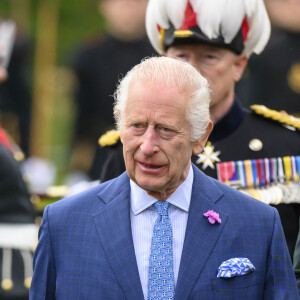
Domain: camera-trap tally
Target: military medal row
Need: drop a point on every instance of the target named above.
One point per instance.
(271, 180)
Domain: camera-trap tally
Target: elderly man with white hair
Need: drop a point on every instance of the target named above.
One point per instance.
(162, 229)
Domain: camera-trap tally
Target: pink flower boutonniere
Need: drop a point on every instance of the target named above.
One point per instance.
(212, 217)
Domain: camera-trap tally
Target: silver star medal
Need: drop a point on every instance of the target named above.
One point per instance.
(208, 157)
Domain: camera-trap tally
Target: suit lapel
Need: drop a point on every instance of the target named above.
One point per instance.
(114, 229)
(201, 236)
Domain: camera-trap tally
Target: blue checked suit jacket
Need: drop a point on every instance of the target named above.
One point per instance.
(86, 251)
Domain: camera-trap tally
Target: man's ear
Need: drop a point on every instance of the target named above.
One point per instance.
(239, 66)
(199, 144)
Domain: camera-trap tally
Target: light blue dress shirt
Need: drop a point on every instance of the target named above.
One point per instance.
(143, 216)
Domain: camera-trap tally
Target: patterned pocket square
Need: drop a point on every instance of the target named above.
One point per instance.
(235, 267)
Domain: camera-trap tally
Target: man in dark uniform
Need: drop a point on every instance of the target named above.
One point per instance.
(218, 40)
(15, 99)
(18, 232)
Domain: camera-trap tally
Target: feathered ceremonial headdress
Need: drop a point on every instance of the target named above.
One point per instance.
(242, 26)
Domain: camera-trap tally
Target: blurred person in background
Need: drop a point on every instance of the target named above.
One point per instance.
(98, 67)
(273, 78)
(18, 232)
(243, 145)
(15, 98)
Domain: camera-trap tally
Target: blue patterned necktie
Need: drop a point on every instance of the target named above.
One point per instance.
(161, 273)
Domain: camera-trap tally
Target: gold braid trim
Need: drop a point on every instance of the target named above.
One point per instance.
(162, 38)
(279, 116)
(183, 33)
(109, 138)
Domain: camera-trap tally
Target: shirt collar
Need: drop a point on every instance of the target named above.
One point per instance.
(181, 198)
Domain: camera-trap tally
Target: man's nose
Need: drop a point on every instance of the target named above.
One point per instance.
(149, 142)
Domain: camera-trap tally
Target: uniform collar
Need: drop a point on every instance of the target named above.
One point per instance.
(229, 123)
(181, 198)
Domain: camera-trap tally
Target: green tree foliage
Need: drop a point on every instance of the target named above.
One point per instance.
(78, 21)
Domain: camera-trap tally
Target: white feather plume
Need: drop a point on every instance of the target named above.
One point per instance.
(176, 10)
(213, 16)
(259, 27)
(209, 16)
(232, 19)
(156, 15)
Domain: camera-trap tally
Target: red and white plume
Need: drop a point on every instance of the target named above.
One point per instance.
(215, 18)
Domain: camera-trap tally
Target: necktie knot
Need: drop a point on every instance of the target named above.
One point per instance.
(162, 207)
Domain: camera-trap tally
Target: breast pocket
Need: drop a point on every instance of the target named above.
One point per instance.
(234, 283)
(245, 287)
(239, 287)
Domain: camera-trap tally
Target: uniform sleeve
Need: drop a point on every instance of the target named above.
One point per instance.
(15, 205)
(280, 280)
(114, 164)
(98, 161)
(44, 273)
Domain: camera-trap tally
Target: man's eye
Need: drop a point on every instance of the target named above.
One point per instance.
(182, 57)
(209, 57)
(164, 129)
(138, 128)
(166, 132)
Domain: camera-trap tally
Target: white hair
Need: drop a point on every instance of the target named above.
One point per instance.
(169, 72)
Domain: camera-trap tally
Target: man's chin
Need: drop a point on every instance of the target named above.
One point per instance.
(151, 185)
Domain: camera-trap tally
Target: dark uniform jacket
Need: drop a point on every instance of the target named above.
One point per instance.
(15, 208)
(231, 138)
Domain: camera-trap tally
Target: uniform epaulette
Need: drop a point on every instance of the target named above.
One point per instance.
(279, 116)
(109, 138)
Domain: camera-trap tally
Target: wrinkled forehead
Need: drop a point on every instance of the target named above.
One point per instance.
(157, 84)
(144, 97)
(155, 91)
